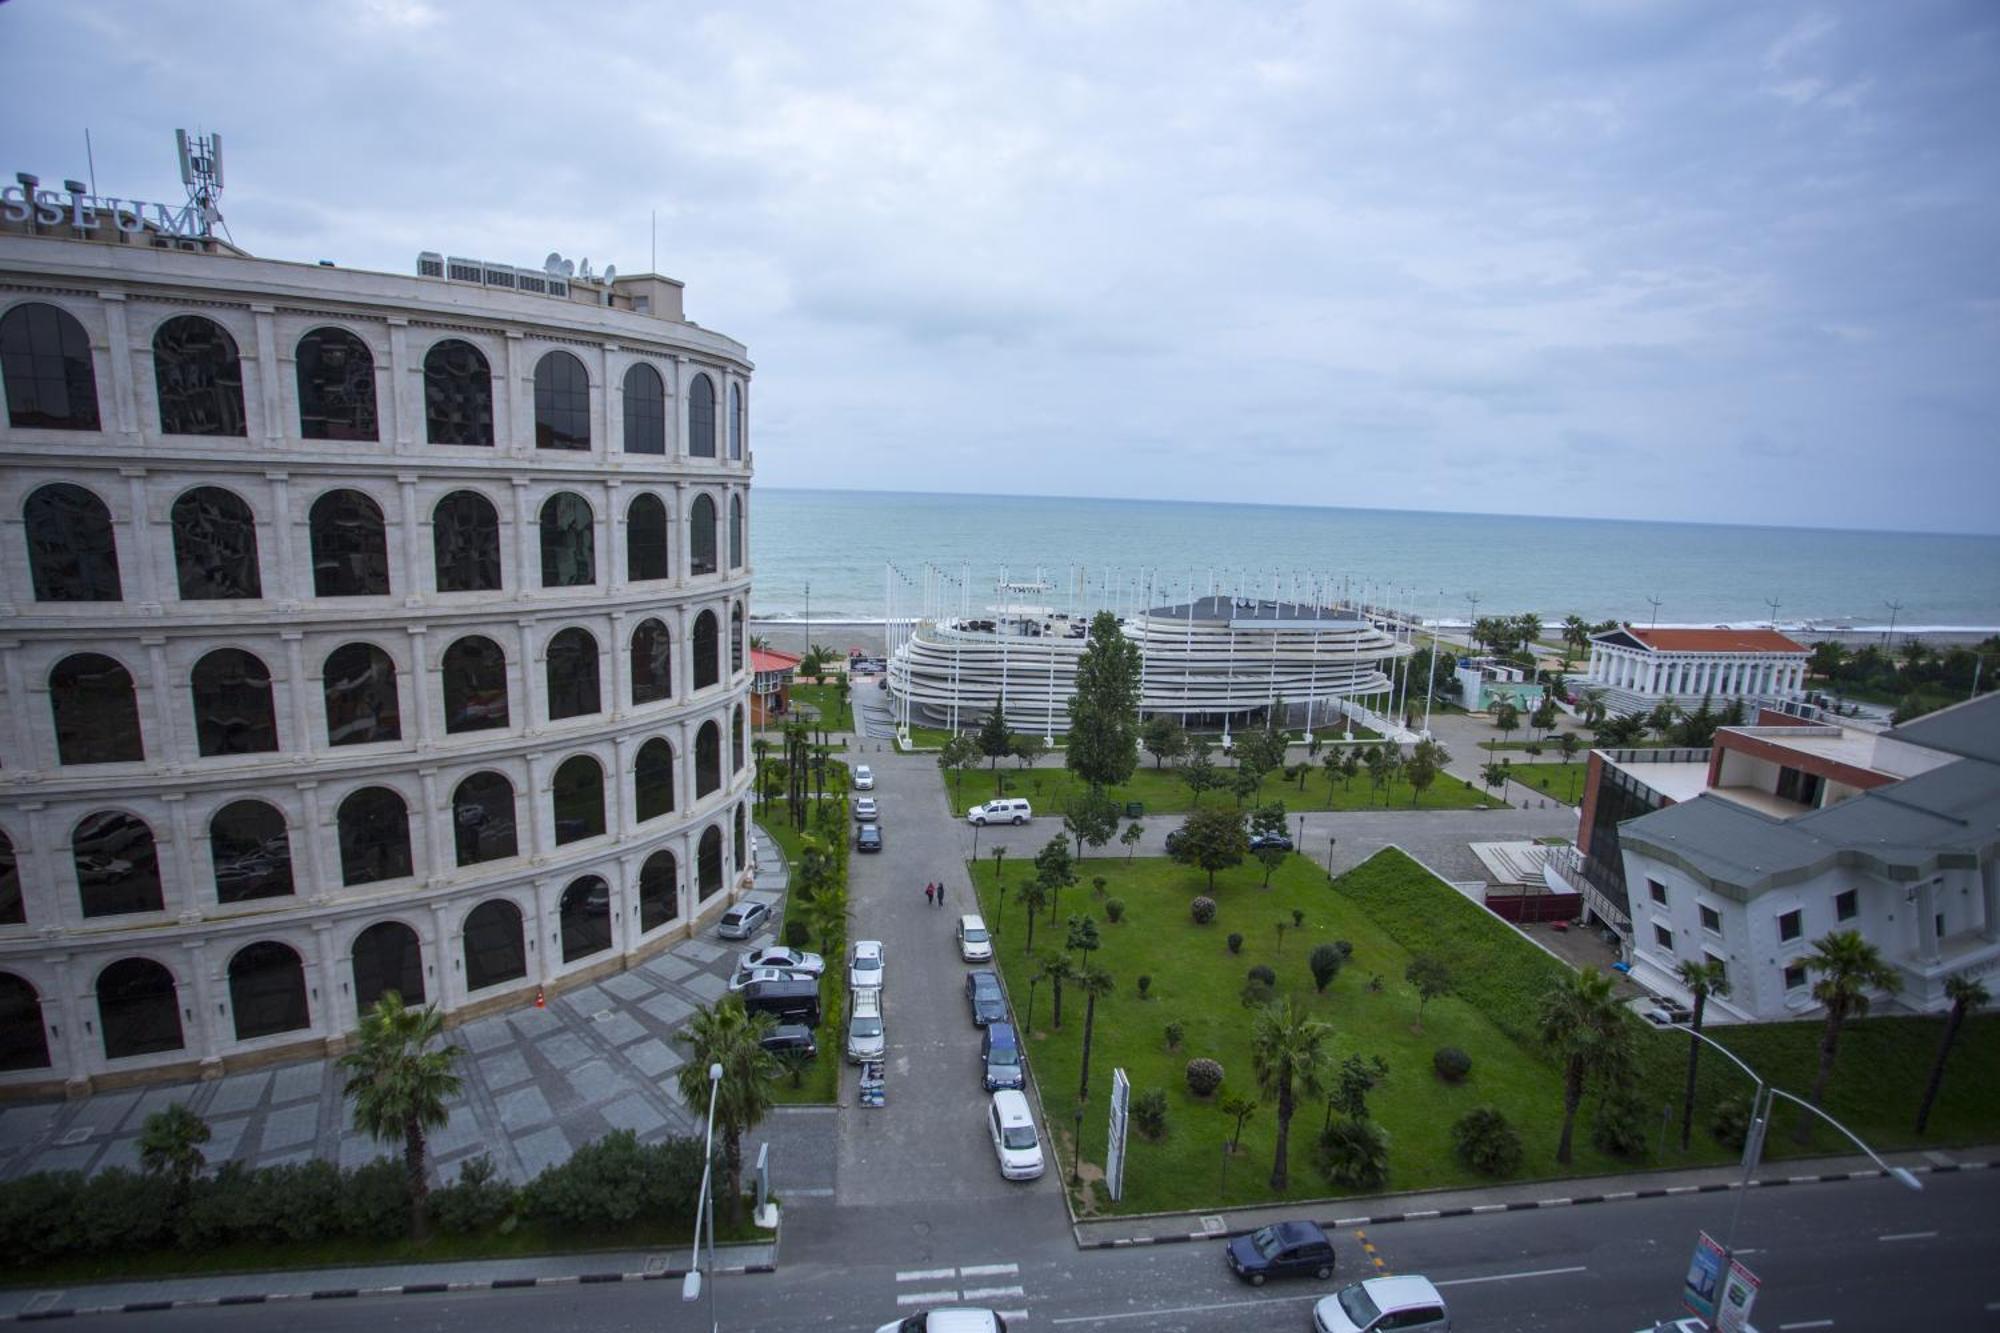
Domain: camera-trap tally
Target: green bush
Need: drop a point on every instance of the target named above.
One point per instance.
(1618, 1125)
(476, 1201)
(1176, 1033)
(615, 1180)
(1451, 1064)
(797, 934)
(35, 1216)
(1149, 1112)
(1486, 1142)
(1204, 1076)
(1353, 1154)
(1235, 942)
(1145, 984)
(1114, 910)
(1203, 910)
(1325, 962)
(376, 1203)
(1259, 986)
(1731, 1122)
(119, 1211)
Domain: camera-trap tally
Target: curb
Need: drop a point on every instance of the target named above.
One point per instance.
(1531, 1205)
(353, 1293)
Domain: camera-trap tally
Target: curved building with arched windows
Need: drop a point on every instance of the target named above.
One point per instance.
(358, 632)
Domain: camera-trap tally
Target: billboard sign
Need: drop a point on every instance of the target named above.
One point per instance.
(1114, 1157)
(1739, 1293)
(1704, 1278)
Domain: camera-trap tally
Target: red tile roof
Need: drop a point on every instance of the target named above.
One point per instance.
(1715, 640)
(766, 659)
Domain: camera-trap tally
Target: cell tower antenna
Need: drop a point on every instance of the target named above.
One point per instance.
(201, 172)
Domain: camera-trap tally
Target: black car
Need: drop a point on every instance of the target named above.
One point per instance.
(1283, 1249)
(1259, 841)
(790, 1037)
(868, 838)
(988, 1004)
(1173, 841)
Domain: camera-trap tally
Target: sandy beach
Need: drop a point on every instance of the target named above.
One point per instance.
(789, 636)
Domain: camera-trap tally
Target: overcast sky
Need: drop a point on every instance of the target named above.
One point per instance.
(1680, 260)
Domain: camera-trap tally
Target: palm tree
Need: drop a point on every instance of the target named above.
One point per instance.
(1849, 967)
(1575, 635)
(400, 1086)
(1242, 1108)
(1288, 1049)
(1093, 981)
(1966, 994)
(825, 915)
(1593, 707)
(1582, 1022)
(170, 1145)
(730, 1036)
(1703, 979)
(1031, 895)
(1056, 969)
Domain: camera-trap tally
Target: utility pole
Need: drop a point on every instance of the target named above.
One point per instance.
(1773, 603)
(1894, 608)
(1654, 602)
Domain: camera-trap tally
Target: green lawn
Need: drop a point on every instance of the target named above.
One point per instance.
(1163, 793)
(1562, 781)
(835, 714)
(1388, 908)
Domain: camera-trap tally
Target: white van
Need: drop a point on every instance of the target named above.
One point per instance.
(1006, 810)
(1015, 1142)
(974, 944)
(865, 1037)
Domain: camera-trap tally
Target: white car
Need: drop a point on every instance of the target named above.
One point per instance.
(948, 1319)
(1383, 1303)
(747, 976)
(864, 778)
(864, 965)
(975, 945)
(1006, 810)
(1015, 1142)
(865, 1039)
(777, 955)
(864, 810)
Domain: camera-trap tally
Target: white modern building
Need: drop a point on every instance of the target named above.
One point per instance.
(1638, 668)
(358, 632)
(1209, 662)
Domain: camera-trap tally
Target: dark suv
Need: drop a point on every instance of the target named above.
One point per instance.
(1283, 1249)
(988, 1004)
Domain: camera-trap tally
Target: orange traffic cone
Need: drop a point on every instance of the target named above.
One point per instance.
(541, 1000)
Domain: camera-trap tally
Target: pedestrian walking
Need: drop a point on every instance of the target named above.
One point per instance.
(940, 893)
(927, 895)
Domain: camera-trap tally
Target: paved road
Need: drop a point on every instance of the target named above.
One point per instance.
(1860, 1255)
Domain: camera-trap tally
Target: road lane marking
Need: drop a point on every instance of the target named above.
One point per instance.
(1804, 1323)
(1509, 1277)
(926, 1274)
(989, 1270)
(1180, 1309)
(1012, 1316)
(992, 1293)
(1910, 1235)
(927, 1297)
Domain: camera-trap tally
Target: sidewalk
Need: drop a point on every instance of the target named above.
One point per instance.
(1383, 1209)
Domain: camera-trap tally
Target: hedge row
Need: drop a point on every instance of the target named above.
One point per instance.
(63, 1214)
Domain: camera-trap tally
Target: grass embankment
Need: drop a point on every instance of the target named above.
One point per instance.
(1390, 909)
(1564, 782)
(1163, 792)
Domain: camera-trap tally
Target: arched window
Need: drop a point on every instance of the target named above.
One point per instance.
(709, 862)
(24, 1041)
(200, 381)
(562, 403)
(659, 891)
(707, 651)
(736, 739)
(495, 945)
(701, 417)
(388, 957)
(736, 532)
(645, 411)
(458, 394)
(465, 540)
(13, 911)
(233, 713)
(215, 546)
(578, 798)
(350, 552)
(359, 681)
(568, 544)
(336, 387)
(572, 666)
(646, 539)
(585, 913)
(267, 990)
(482, 819)
(736, 423)
(474, 678)
(45, 358)
(96, 711)
(707, 760)
(72, 547)
(251, 851)
(117, 865)
(742, 836)
(653, 780)
(374, 836)
(652, 663)
(736, 640)
(701, 536)
(137, 1009)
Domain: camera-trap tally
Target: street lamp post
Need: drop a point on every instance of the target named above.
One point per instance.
(1329, 858)
(691, 1285)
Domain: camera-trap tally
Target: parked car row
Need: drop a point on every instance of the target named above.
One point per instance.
(867, 1039)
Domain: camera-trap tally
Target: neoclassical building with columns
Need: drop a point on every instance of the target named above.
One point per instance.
(359, 632)
(1638, 668)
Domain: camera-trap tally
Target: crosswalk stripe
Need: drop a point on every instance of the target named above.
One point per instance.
(989, 1293)
(926, 1297)
(989, 1270)
(1013, 1316)
(926, 1274)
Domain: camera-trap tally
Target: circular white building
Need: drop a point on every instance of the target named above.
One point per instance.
(358, 632)
(1209, 662)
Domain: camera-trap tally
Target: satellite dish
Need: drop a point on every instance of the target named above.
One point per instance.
(610, 272)
(569, 268)
(583, 268)
(553, 264)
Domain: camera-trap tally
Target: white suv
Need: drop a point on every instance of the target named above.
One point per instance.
(864, 778)
(1015, 1142)
(865, 1038)
(1383, 1303)
(1006, 810)
(974, 944)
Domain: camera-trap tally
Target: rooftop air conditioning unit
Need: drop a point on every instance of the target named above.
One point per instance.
(430, 264)
(530, 281)
(463, 270)
(498, 275)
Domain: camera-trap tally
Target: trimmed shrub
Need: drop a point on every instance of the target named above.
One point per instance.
(477, 1200)
(1264, 974)
(1114, 910)
(1731, 1122)
(376, 1203)
(1618, 1126)
(1176, 1033)
(1346, 949)
(1203, 910)
(615, 1180)
(798, 935)
(1451, 1064)
(1204, 1076)
(1149, 1113)
(1259, 987)
(1353, 1154)
(1235, 942)
(1486, 1142)
(1325, 961)
(1145, 984)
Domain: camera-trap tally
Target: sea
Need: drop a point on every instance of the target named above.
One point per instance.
(861, 556)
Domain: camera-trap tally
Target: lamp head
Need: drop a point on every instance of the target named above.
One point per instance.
(1903, 1177)
(691, 1285)
(715, 1072)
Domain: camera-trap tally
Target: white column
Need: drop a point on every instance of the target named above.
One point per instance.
(270, 395)
(427, 727)
(415, 550)
(527, 541)
(124, 416)
(400, 413)
(514, 429)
